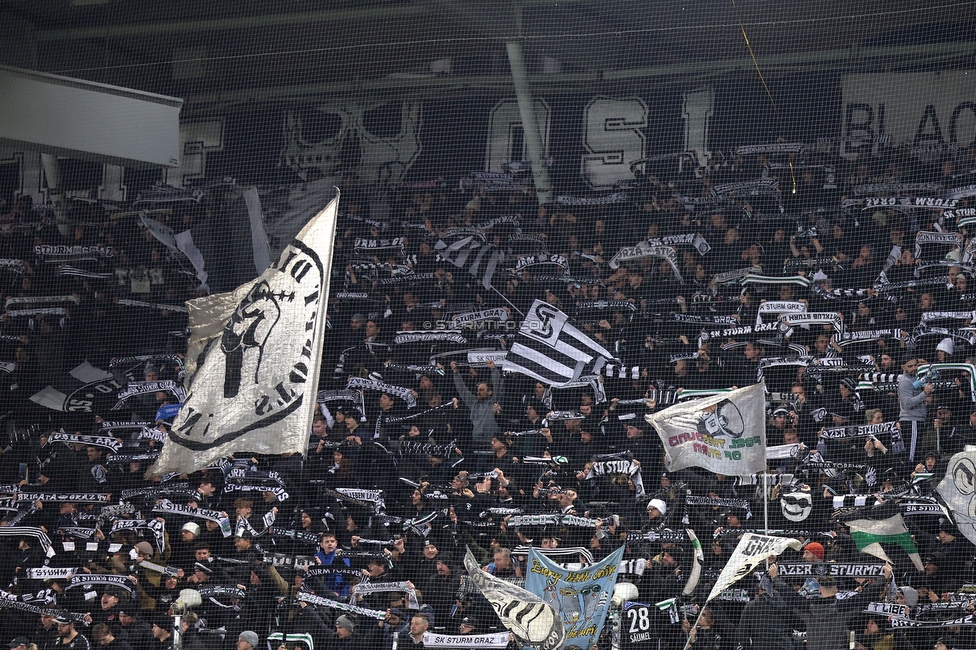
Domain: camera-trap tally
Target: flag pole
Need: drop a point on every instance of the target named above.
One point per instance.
(701, 613)
(766, 502)
(502, 296)
(766, 506)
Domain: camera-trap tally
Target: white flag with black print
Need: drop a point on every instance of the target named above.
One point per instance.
(724, 433)
(958, 488)
(548, 348)
(752, 550)
(253, 359)
(534, 622)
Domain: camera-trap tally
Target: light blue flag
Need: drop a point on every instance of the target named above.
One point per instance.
(581, 598)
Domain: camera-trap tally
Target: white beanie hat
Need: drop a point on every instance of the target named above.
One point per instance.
(946, 346)
(661, 506)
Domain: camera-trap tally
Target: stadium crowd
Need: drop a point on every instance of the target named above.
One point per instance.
(833, 281)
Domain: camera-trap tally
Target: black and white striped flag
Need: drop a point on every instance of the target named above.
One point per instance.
(474, 256)
(548, 348)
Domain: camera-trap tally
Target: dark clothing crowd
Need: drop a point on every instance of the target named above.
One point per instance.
(841, 284)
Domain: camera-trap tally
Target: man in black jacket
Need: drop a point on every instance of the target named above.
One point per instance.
(827, 617)
(764, 623)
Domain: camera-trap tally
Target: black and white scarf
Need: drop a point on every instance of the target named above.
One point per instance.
(429, 336)
(407, 277)
(468, 318)
(492, 182)
(552, 520)
(74, 497)
(474, 641)
(718, 502)
(11, 601)
(693, 239)
(606, 199)
(576, 281)
(860, 431)
(628, 467)
(427, 449)
(16, 266)
(491, 223)
(808, 263)
(95, 441)
(143, 387)
(297, 535)
(362, 383)
(157, 528)
(216, 516)
(368, 245)
(749, 188)
(344, 607)
(643, 250)
(526, 261)
(366, 588)
(87, 579)
(156, 491)
(126, 302)
(381, 225)
(664, 535)
(244, 524)
(61, 253)
(279, 492)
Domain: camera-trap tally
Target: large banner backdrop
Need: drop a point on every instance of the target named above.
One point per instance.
(934, 110)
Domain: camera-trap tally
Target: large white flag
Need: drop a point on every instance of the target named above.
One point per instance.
(752, 550)
(958, 488)
(724, 433)
(253, 358)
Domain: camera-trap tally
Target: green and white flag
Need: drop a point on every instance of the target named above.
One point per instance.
(870, 534)
(671, 607)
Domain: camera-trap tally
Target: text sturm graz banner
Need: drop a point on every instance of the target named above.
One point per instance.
(581, 597)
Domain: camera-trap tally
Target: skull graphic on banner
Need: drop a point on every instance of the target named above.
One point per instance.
(376, 142)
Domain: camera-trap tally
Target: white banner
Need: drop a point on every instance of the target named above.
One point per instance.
(260, 346)
(932, 110)
(780, 307)
(724, 433)
(752, 550)
(958, 489)
(482, 357)
(51, 573)
(497, 640)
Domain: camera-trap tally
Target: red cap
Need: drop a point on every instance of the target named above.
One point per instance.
(816, 548)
